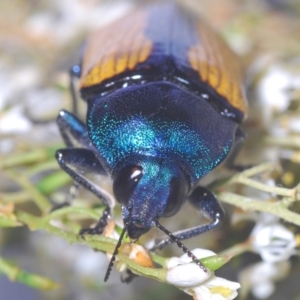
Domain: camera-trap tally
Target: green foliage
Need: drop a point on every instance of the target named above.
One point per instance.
(11, 214)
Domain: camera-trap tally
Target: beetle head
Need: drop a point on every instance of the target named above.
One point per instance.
(148, 189)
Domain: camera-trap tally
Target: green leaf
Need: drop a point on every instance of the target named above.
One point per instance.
(9, 222)
(215, 262)
(16, 274)
(53, 182)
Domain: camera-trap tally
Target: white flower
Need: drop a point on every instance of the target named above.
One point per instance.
(274, 93)
(14, 121)
(260, 278)
(215, 288)
(187, 275)
(273, 242)
(200, 284)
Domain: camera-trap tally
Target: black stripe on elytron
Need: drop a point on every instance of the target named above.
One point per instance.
(172, 32)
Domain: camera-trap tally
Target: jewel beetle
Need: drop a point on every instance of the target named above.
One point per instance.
(165, 100)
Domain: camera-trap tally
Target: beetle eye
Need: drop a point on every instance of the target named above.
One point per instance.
(125, 182)
(177, 196)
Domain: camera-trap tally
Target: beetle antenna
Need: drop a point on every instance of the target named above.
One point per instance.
(113, 258)
(180, 245)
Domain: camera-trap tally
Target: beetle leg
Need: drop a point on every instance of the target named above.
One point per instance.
(128, 277)
(72, 129)
(72, 194)
(74, 72)
(239, 140)
(101, 224)
(203, 200)
(75, 161)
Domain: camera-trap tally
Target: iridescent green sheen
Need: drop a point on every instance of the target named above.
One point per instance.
(163, 121)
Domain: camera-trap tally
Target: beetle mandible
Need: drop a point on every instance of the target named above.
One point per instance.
(165, 99)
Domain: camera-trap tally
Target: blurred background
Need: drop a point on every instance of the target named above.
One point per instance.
(39, 42)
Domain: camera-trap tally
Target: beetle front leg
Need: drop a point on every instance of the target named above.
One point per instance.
(101, 224)
(203, 200)
(76, 160)
(74, 72)
(72, 129)
(239, 140)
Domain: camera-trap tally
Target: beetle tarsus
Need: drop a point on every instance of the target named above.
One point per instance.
(59, 206)
(239, 140)
(176, 240)
(99, 227)
(203, 200)
(69, 198)
(128, 278)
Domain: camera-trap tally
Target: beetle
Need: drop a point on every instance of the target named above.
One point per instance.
(165, 100)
